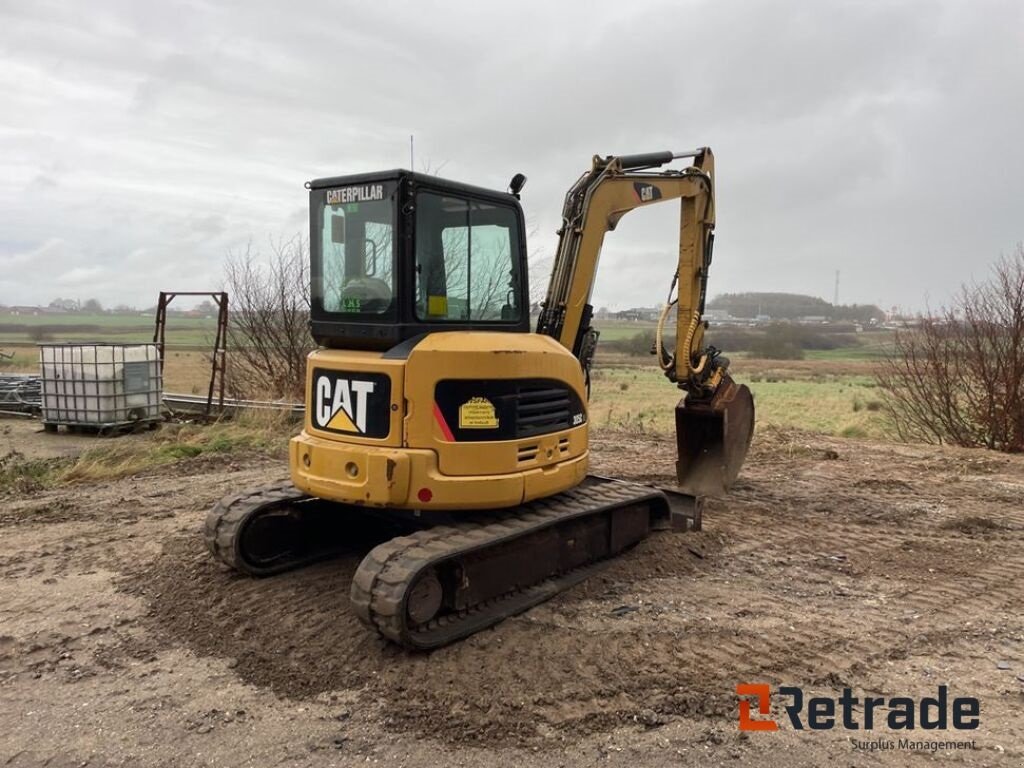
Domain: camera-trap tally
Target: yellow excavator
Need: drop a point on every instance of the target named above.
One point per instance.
(444, 433)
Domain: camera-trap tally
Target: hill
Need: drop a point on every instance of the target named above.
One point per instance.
(792, 306)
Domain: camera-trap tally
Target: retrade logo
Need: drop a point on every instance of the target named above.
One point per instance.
(852, 713)
(763, 695)
(351, 403)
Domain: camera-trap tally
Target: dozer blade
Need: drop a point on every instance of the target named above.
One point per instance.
(712, 438)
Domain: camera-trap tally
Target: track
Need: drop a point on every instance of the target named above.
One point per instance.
(276, 528)
(261, 532)
(473, 575)
(426, 586)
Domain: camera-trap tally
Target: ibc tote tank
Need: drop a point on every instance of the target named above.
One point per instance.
(100, 386)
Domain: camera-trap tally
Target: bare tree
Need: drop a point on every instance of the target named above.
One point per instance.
(540, 264)
(269, 332)
(959, 377)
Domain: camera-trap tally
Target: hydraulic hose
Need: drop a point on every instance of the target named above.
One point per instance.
(691, 369)
(665, 360)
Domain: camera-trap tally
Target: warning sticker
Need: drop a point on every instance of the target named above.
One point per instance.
(477, 413)
(437, 306)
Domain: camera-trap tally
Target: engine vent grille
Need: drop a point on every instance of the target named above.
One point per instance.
(527, 453)
(542, 409)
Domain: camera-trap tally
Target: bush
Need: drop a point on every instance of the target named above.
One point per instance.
(732, 339)
(779, 342)
(21, 475)
(959, 378)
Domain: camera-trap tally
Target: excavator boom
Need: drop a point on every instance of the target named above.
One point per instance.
(715, 418)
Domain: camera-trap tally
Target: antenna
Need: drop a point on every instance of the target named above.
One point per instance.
(412, 161)
(835, 296)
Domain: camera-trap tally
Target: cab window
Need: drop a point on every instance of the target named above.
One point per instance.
(357, 252)
(466, 260)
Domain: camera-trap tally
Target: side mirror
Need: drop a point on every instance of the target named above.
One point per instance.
(337, 229)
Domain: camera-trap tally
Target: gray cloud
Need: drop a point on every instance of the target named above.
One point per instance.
(139, 142)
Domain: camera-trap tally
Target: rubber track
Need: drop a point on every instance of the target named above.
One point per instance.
(385, 575)
(224, 522)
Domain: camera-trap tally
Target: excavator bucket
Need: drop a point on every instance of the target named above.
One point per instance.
(712, 438)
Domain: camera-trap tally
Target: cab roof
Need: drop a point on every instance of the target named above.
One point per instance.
(425, 179)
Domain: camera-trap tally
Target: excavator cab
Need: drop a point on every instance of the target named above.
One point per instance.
(396, 254)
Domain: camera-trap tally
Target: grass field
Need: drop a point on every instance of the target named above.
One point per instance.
(871, 350)
(24, 360)
(833, 403)
(829, 391)
(618, 330)
(264, 433)
(127, 328)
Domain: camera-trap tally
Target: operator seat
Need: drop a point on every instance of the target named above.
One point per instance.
(372, 293)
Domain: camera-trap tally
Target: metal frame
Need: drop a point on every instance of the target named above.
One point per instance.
(20, 393)
(179, 403)
(220, 343)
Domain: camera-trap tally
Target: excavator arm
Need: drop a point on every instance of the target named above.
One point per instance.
(714, 420)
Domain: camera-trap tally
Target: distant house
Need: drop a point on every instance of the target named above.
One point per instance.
(718, 315)
(25, 310)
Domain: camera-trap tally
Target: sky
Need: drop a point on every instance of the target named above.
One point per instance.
(142, 142)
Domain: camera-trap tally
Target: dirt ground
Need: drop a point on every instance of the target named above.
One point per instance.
(889, 569)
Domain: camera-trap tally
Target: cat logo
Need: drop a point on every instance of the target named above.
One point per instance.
(364, 194)
(646, 193)
(352, 403)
